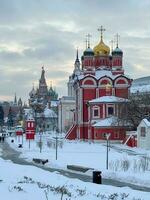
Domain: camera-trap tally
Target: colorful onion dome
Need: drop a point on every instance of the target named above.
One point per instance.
(88, 52)
(117, 51)
(101, 49)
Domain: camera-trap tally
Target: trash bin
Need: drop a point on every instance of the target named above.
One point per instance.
(97, 178)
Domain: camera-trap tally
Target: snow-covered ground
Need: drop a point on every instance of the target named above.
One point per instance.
(128, 168)
(28, 182)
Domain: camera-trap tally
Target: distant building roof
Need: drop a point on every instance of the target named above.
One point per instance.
(141, 85)
(147, 122)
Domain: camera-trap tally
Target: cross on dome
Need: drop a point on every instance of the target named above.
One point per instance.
(112, 44)
(117, 37)
(88, 36)
(86, 45)
(101, 30)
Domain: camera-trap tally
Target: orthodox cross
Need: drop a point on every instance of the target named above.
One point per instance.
(88, 36)
(117, 36)
(86, 43)
(111, 43)
(101, 30)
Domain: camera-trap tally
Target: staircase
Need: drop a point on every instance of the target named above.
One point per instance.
(71, 134)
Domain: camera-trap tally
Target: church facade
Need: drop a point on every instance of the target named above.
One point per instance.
(101, 90)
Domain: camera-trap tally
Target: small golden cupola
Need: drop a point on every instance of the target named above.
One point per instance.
(101, 49)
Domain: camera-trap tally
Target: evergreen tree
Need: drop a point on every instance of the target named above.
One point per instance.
(1, 116)
(10, 121)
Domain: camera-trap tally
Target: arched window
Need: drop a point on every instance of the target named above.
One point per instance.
(90, 82)
(121, 82)
(105, 81)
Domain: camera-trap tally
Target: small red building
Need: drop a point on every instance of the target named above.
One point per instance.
(19, 130)
(101, 91)
(30, 129)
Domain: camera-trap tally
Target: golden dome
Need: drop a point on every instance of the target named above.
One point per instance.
(101, 49)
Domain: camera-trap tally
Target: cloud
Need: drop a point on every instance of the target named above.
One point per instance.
(34, 33)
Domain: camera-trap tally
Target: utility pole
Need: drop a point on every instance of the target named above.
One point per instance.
(40, 142)
(107, 138)
(29, 143)
(56, 147)
(56, 141)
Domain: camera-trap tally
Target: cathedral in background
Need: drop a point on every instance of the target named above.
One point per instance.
(44, 103)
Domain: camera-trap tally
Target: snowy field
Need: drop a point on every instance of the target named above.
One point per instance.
(128, 168)
(19, 182)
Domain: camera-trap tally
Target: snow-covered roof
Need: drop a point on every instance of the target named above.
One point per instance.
(110, 122)
(141, 85)
(117, 49)
(141, 81)
(147, 122)
(49, 113)
(54, 103)
(89, 50)
(109, 99)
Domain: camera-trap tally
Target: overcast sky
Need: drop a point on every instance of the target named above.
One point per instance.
(34, 33)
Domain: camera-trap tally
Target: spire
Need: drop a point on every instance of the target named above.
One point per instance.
(15, 100)
(42, 84)
(77, 56)
(101, 30)
(77, 63)
(43, 73)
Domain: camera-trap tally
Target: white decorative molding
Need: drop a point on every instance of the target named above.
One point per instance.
(121, 85)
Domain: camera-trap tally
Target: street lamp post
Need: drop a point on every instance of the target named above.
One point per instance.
(56, 139)
(40, 142)
(107, 138)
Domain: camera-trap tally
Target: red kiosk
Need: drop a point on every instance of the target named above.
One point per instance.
(30, 129)
(19, 130)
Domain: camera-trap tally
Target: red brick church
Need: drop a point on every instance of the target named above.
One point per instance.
(101, 91)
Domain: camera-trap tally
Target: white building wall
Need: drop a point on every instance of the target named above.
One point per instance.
(143, 142)
(65, 113)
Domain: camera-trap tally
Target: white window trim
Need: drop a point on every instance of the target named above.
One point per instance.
(93, 109)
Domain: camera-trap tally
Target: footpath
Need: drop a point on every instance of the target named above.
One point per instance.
(9, 153)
